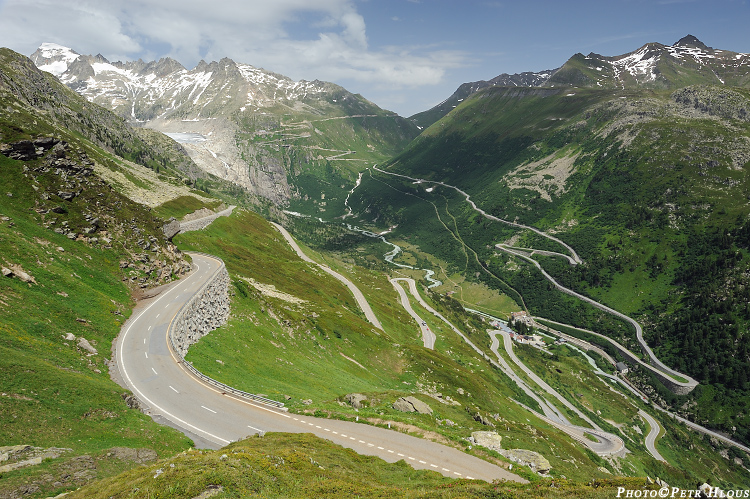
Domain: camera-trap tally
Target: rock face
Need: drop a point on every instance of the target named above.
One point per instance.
(411, 404)
(205, 311)
(491, 440)
(355, 400)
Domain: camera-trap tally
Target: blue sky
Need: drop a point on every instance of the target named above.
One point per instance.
(404, 55)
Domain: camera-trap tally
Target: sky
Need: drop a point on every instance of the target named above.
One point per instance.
(403, 55)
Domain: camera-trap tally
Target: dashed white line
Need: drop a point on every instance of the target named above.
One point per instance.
(317, 426)
(343, 435)
(371, 445)
(254, 428)
(352, 438)
(209, 410)
(146, 354)
(380, 448)
(326, 429)
(470, 477)
(434, 465)
(399, 454)
(411, 458)
(389, 450)
(457, 473)
(173, 389)
(446, 469)
(362, 442)
(154, 371)
(336, 433)
(157, 315)
(422, 462)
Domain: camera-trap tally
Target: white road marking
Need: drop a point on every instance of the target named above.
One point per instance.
(146, 354)
(434, 465)
(210, 410)
(154, 371)
(457, 473)
(343, 435)
(389, 450)
(157, 315)
(446, 469)
(371, 445)
(296, 419)
(173, 389)
(362, 442)
(422, 462)
(326, 429)
(336, 433)
(254, 428)
(352, 438)
(411, 458)
(470, 477)
(399, 454)
(317, 426)
(380, 448)
(144, 339)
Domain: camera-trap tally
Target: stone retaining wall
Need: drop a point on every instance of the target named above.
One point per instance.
(207, 310)
(204, 222)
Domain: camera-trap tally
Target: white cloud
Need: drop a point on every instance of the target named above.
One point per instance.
(324, 39)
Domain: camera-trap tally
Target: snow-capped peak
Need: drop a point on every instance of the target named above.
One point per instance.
(54, 58)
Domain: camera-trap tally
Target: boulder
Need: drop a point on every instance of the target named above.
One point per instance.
(488, 439)
(411, 404)
(529, 458)
(355, 400)
(84, 344)
(171, 228)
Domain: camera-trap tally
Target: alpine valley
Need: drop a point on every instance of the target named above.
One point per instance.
(547, 274)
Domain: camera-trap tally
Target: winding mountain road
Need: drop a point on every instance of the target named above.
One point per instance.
(653, 434)
(214, 418)
(574, 259)
(361, 301)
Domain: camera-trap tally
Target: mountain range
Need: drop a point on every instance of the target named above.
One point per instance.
(247, 125)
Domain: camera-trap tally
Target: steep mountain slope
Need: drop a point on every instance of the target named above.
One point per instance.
(74, 251)
(277, 138)
(649, 186)
(526, 79)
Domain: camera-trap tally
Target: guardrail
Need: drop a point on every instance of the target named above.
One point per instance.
(195, 372)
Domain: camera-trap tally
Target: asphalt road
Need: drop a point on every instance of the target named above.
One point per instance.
(428, 337)
(214, 419)
(652, 434)
(361, 301)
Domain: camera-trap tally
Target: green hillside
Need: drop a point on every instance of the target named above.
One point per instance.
(649, 187)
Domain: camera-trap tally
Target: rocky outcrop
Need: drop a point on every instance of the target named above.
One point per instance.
(205, 311)
(355, 400)
(411, 404)
(488, 439)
